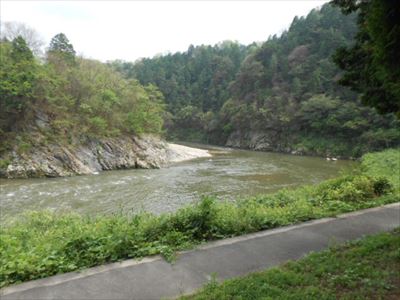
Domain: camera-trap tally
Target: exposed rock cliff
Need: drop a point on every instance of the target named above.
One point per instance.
(96, 155)
(274, 141)
(270, 140)
(257, 140)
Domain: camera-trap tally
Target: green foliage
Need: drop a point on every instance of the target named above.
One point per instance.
(61, 47)
(20, 50)
(41, 244)
(4, 163)
(80, 97)
(147, 116)
(378, 165)
(298, 104)
(195, 84)
(286, 88)
(17, 76)
(365, 269)
(371, 64)
(105, 103)
(97, 125)
(351, 189)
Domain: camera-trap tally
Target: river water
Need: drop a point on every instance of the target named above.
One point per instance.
(229, 174)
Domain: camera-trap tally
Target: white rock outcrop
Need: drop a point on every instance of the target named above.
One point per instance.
(95, 155)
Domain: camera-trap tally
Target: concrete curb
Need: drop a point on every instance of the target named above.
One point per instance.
(137, 279)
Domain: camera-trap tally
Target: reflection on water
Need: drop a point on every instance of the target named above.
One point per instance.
(228, 174)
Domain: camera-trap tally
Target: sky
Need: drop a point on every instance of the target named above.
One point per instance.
(129, 30)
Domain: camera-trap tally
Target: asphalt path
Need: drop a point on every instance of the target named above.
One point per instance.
(154, 278)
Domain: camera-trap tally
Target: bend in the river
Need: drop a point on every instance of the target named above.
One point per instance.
(228, 174)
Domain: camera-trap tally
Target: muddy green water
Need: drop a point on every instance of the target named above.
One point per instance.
(229, 174)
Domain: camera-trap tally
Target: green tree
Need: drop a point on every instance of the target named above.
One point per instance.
(61, 47)
(372, 64)
(17, 75)
(11, 30)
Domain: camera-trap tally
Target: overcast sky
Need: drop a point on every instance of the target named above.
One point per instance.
(128, 30)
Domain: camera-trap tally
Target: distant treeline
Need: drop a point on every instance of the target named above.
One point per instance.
(287, 88)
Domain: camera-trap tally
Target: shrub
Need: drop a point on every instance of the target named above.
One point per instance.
(4, 163)
(351, 188)
(98, 125)
(383, 164)
(382, 186)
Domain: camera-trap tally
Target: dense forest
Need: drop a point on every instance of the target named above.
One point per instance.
(62, 98)
(371, 64)
(282, 95)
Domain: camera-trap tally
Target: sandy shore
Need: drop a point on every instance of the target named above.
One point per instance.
(181, 153)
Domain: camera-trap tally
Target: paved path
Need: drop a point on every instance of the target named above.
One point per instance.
(153, 278)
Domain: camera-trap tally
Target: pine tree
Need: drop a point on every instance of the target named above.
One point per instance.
(60, 46)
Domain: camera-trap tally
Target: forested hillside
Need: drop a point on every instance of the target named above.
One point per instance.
(195, 84)
(280, 96)
(62, 98)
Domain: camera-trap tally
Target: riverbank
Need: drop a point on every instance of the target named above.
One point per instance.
(292, 143)
(75, 242)
(229, 174)
(90, 156)
(364, 269)
(178, 153)
(135, 278)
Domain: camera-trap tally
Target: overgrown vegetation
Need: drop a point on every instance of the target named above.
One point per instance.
(378, 165)
(371, 64)
(365, 269)
(64, 97)
(41, 244)
(285, 88)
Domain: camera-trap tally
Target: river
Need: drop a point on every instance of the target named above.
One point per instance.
(229, 174)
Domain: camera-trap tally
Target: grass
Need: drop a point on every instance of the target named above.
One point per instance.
(379, 164)
(365, 269)
(41, 244)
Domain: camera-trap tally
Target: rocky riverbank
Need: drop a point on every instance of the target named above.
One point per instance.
(273, 141)
(266, 141)
(95, 155)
